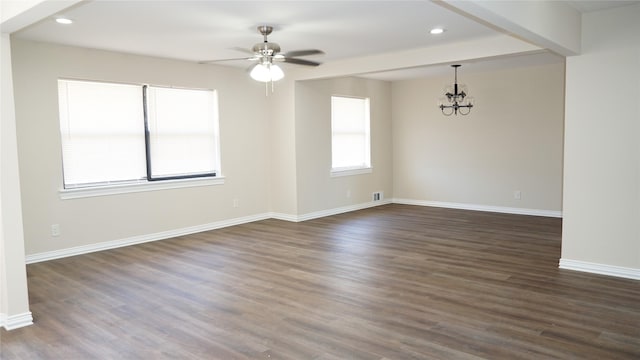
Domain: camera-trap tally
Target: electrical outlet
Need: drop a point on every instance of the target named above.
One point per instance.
(517, 195)
(377, 196)
(236, 203)
(55, 230)
(349, 193)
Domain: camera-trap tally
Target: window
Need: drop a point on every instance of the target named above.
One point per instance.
(114, 134)
(350, 135)
(182, 133)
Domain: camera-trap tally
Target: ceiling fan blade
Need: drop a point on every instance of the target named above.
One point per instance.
(220, 60)
(301, 62)
(241, 49)
(295, 53)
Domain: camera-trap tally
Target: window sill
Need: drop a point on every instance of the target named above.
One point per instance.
(350, 172)
(77, 193)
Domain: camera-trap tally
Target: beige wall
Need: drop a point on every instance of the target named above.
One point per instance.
(244, 127)
(602, 146)
(276, 153)
(282, 147)
(512, 140)
(317, 190)
(601, 203)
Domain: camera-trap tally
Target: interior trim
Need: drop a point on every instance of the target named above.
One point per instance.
(16, 321)
(85, 249)
(488, 208)
(602, 269)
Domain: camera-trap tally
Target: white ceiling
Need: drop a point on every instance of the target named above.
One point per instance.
(586, 6)
(206, 30)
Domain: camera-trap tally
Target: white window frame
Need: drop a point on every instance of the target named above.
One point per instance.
(145, 184)
(365, 167)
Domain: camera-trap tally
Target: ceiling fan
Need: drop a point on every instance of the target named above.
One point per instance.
(266, 53)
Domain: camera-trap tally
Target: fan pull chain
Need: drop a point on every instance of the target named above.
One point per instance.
(266, 87)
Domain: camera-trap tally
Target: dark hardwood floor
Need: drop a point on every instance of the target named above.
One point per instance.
(392, 282)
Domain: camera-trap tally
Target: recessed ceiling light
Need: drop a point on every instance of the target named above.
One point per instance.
(436, 31)
(64, 21)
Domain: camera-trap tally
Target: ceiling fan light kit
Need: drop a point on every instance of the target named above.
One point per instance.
(456, 97)
(266, 73)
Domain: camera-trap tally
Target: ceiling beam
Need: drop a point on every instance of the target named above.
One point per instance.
(487, 47)
(552, 25)
(18, 14)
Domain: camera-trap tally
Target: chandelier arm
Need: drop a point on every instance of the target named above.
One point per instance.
(456, 99)
(442, 107)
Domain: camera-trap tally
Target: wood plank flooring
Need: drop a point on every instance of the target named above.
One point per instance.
(391, 282)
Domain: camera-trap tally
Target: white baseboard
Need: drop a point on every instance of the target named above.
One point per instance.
(283, 216)
(602, 269)
(487, 208)
(85, 249)
(16, 321)
(329, 212)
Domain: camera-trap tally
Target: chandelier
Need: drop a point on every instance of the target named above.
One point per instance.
(455, 100)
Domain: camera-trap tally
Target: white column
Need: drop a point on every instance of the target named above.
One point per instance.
(14, 301)
(601, 226)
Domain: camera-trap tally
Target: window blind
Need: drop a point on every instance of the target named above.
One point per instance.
(350, 140)
(182, 132)
(101, 132)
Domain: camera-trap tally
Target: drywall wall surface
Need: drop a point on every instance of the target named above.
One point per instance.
(282, 145)
(510, 142)
(14, 299)
(317, 189)
(602, 145)
(243, 139)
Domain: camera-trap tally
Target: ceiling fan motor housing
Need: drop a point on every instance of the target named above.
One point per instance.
(266, 48)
